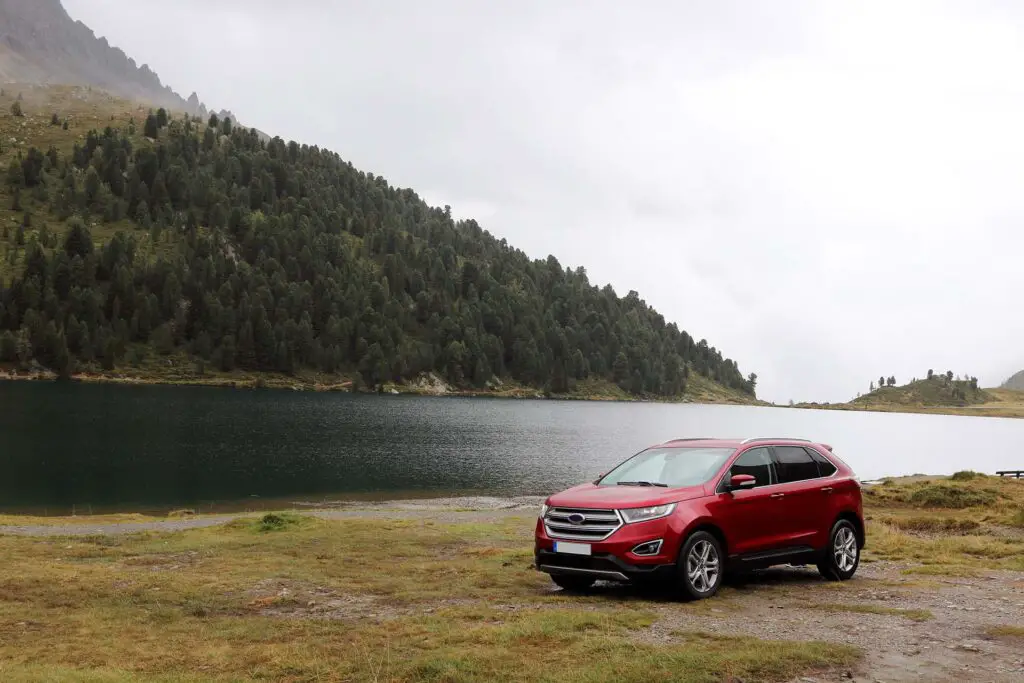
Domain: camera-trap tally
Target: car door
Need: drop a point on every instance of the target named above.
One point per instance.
(803, 503)
(747, 516)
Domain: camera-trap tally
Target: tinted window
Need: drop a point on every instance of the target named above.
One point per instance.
(756, 462)
(670, 466)
(825, 468)
(793, 463)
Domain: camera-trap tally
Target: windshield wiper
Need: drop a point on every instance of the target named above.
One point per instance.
(642, 483)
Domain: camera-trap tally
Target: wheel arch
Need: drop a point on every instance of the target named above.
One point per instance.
(858, 525)
(711, 528)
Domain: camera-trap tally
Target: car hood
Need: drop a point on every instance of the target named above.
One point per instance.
(593, 496)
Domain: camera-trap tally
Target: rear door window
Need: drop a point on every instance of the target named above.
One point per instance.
(825, 466)
(793, 463)
(756, 462)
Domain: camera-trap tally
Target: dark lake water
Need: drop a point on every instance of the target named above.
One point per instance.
(101, 447)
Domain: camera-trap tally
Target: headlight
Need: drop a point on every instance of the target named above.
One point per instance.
(631, 515)
(543, 510)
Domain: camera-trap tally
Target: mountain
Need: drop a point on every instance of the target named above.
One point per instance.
(1015, 382)
(179, 248)
(41, 44)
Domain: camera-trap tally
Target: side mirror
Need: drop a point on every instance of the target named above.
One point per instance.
(741, 481)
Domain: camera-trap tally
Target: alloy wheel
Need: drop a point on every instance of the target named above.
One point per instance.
(844, 549)
(702, 566)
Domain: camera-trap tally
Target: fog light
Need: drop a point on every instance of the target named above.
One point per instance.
(648, 548)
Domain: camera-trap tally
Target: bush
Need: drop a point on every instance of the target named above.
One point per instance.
(966, 475)
(16, 110)
(954, 497)
(276, 522)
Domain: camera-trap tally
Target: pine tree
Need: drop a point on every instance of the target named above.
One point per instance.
(152, 127)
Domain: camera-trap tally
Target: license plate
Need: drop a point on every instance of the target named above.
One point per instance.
(572, 548)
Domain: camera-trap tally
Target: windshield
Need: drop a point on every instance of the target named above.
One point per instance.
(668, 467)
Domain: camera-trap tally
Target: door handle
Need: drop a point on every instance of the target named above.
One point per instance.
(777, 495)
(826, 489)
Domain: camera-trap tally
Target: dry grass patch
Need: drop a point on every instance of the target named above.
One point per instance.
(1015, 633)
(951, 570)
(969, 523)
(295, 598)
(912, 614)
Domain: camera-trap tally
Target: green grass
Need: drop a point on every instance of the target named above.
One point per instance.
(955, 497)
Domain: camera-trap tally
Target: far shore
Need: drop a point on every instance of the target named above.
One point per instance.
(587, 391)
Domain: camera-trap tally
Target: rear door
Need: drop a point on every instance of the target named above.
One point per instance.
(747, 517)
(804, 504)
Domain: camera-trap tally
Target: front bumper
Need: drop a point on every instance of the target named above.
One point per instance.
(600, 566)
(612, 558)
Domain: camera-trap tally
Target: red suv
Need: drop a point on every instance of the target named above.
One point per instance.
(688, 510)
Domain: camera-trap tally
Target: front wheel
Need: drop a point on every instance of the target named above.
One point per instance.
(842, 556)
(573, 584)
(700, 566)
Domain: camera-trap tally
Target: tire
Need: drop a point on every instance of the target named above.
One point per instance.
(840, 559)
(700, 567)
(573, 584)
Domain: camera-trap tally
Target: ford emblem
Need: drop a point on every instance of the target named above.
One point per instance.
(576, 518)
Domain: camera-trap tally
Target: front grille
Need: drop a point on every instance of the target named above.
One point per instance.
(581, 524)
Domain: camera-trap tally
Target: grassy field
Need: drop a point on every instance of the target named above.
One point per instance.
(953, 526)
(291, 598)
(296, 598)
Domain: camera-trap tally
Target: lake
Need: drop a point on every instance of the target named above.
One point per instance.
(89, 448)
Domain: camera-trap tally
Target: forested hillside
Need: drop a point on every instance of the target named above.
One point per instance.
(158, 234)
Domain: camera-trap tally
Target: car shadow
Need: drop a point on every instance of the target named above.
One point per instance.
(754, 580)
(774, 577)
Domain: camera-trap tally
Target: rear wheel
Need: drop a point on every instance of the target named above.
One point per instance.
(842, 556)
(700, 567)
(574, 584)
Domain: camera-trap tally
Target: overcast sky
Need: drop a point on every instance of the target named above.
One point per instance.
(825, 191)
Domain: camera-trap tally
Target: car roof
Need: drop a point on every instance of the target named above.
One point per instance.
(714, 442)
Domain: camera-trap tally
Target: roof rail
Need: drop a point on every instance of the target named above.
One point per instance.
(774, 438)
(692, 438)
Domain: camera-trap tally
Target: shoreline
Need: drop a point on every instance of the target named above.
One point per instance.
(1008, 404)
(269, 381)
(470, 508)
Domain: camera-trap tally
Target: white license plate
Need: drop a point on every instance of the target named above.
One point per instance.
(572, 548)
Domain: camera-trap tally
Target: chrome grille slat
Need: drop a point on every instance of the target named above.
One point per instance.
(590, 518)
(603, 528)
(597, 525)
